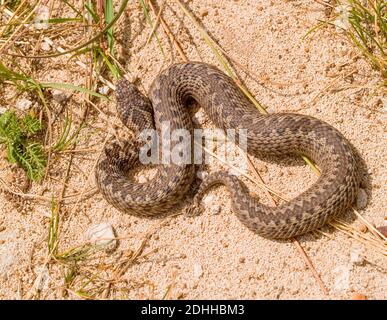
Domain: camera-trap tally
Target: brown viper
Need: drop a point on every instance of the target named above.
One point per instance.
(275, 134)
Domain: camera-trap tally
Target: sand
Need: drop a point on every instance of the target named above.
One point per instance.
(211, 256)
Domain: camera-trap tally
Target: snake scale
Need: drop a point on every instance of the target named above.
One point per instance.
(227, 107)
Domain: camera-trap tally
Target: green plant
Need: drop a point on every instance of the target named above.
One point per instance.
(25, 83)
(364, 23)
(17, 134)
(100, 51)
(368, 31)
(66, 139)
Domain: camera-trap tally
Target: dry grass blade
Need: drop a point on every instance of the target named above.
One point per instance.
(66, 199)
(367, 239)
(153, 25)
(169, 33)
(156, 23)
(18, 29)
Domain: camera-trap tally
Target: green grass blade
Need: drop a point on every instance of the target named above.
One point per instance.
(68, 86)
(109, 15)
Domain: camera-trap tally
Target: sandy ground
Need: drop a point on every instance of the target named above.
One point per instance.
(213, 256)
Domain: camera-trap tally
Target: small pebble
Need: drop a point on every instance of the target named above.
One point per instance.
(216, 209)
(302, 66)
(198, 270)
(59, 96)
(262, 168)
(362, 199)
(359, 296)
(357, 257)
(201, 174)
(104, 90)
(203, 12)
(23, 104)
(102, 235)
(209, 199)
(225, 243)
(242, 260)
(45, 46)
(362, 228)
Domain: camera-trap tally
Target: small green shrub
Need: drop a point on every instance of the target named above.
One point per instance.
(17, 134)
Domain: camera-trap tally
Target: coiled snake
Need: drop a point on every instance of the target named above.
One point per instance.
(275, 134)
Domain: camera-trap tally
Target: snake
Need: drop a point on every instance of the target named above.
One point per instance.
(275, 134)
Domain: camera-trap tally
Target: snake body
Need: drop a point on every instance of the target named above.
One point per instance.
(275, 134)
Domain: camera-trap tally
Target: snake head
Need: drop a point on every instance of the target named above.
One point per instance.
(133, 108)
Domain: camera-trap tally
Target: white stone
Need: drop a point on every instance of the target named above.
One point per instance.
(45, 46)
(23, 104)
(102, 235)
(362, 199)
(103, 90)
(197, 270)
